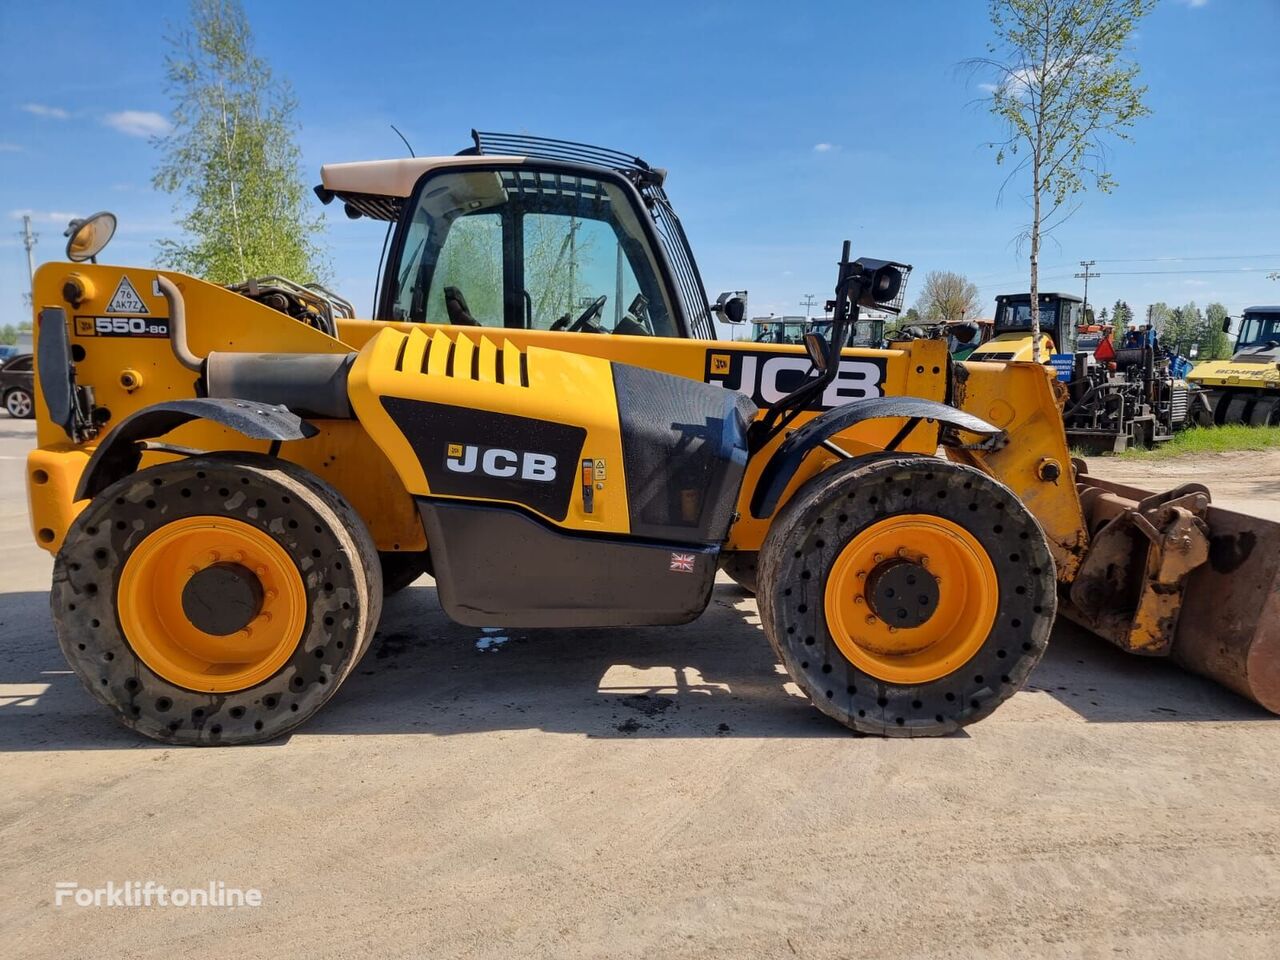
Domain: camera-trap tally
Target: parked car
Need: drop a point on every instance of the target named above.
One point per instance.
(17, 386)
(7, 351)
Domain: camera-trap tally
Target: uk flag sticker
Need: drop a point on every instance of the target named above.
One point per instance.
(683, 562)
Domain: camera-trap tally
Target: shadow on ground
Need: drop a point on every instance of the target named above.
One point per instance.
(714, 677)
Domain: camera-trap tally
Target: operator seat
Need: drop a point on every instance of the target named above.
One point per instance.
(456, 306)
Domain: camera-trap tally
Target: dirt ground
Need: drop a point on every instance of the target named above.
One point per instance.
(650, 793)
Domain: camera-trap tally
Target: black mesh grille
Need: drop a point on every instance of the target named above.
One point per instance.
(684, 450)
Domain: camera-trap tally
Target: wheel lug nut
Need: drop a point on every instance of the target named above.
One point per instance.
(902, 552)
(238, 557)
(871, 618)
(192, 571)
(270, 594)
(924, 561)
(879, 557)
(260, 571)
(862, 574)
(213, 556)
(893, 629)
(858, 599)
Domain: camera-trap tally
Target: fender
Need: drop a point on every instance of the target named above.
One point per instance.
(121, 451)
(786, 460)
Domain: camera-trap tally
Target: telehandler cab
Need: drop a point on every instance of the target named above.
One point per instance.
(540, 406)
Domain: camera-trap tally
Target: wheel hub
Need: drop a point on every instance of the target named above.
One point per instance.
(222, 599)
(211, 603)
(902, 593)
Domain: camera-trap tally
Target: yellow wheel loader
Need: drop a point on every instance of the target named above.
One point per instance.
(1246, 388)
(230, 478)
(1060, 313)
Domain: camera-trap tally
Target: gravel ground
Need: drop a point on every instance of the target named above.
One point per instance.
(657, 792)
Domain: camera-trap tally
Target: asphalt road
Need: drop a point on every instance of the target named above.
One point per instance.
(655, 792)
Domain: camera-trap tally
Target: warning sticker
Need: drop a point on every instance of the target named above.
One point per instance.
(126, 299)
(599, 469)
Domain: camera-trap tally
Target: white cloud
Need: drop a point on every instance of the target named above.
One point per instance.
(44, 110)
(137, 123)
(823, 147)
(10, 148)
(44, 216)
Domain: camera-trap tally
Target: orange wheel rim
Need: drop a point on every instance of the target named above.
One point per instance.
(920, 570)
(157, 627)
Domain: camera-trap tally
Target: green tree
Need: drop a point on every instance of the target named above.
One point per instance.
(1216, 343)
(1122, 315)
(8, 335)
(1102, 316)
(1181, 327)
(947, 297)
(1061, 86)
(231, 157)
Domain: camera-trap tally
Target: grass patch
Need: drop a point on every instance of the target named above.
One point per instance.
(1199, 440)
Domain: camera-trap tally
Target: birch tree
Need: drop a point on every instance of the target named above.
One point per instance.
(231, 157)
(1062, 86)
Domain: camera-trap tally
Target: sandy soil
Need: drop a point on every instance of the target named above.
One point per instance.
(644, 793)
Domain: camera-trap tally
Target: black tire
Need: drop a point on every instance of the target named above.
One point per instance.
(825, 515)
(322, 535)
(741, 566)
(399, 569)
(20, 404)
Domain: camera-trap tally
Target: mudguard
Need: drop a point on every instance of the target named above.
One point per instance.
(791, 453)
(119, 453)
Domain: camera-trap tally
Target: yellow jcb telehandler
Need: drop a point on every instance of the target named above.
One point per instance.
(541, 412)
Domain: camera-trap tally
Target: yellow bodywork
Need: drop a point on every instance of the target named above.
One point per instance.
(371, 463)
(1014, 347)
(1236, 373)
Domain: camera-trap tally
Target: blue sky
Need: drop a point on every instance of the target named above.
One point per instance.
(785, 127)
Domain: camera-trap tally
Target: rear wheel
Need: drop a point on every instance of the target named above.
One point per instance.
(216, 600)
(907, 596)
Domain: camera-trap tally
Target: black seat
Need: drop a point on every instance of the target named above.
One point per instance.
(456, 305)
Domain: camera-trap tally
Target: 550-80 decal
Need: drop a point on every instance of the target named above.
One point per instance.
(767, 377)
(122, 327)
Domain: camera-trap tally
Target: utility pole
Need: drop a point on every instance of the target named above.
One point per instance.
(1086, 275)
(808, 302)
(29, 241)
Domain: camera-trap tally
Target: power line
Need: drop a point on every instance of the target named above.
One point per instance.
(1241, 256)
(1178, 273)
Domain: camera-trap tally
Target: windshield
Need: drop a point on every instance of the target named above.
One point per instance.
(529, 248)
(1259, 330)
(1016, 315)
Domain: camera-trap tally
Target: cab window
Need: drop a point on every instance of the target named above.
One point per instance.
(528, 248)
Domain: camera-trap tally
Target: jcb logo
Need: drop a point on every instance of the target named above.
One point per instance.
(767, 377)
(497, 462)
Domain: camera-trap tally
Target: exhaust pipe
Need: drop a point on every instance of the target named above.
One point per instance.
(309, 384)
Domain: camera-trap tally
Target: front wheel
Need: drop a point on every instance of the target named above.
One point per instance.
(906, 595)
(216, 600)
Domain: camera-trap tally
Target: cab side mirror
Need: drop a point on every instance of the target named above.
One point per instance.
(815, 345)
(731, 307)
(1226, 324)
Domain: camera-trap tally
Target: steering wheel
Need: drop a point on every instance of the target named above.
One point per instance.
(585, 321)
